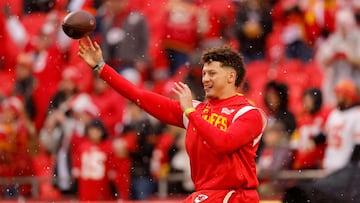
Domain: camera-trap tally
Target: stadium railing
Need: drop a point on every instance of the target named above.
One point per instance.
(280, 175)
(163, 184)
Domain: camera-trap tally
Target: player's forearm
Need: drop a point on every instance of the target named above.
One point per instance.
(120, 84)
(238, 134)
(159, 106)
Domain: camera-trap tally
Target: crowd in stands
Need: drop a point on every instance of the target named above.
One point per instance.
(58, 120)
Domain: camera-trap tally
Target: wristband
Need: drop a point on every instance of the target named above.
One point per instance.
(99, 65)
(189, 110)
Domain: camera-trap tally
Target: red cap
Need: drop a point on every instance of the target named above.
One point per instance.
(348, 89)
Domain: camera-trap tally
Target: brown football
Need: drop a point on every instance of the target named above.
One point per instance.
(78, 24)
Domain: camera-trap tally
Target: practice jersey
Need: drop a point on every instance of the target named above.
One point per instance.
(222, 135)
(343, 133)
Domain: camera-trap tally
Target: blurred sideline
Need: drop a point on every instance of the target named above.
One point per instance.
(163, 195)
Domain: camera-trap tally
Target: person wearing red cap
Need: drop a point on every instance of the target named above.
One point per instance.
(341, 127)
(16, 132)
(222, 133)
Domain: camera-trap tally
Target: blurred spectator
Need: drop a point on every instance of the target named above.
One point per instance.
(13, 38)
(47, 68)
(110, 104)
(93, 167)
(161, 157)
(124, 144)
(68, 88)
(38, 6)
(25, 83)
(339, 54)
(180, 162)
(319, 19)
(289, 16)
(184, 25)
(125, 36)
(276, 107)
(9, 12)
(16, 131)
(252, 25)
(63, 132)
(43, 163)
(342, 154)
(137, 121)
(309, 141)
(36, 15)
(220, 17)
(275, 156)
(170, 157)
(341, 127)
(276, 101)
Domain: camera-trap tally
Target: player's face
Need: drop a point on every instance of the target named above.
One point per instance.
(216, 80)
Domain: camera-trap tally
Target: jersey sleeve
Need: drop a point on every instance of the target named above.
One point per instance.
(244, 130)
(159, 106)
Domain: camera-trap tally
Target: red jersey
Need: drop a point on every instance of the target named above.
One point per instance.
(222, 136)
(220, 17)
(181, 26)
(111, 106)
(94, 166)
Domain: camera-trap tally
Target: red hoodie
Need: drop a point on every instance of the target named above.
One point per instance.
(221, 136)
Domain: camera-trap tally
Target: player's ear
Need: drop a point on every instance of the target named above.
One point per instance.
(231, 76)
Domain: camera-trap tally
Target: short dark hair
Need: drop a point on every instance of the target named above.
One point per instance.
(281, 90)
(316, 96)
(97, 123)
(227, 57)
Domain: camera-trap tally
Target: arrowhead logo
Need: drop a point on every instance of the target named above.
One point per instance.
(200, 198)
(227, 111)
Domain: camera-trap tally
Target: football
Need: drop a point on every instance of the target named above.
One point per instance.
(78, 24)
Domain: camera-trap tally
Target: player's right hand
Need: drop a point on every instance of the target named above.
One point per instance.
(90, 52)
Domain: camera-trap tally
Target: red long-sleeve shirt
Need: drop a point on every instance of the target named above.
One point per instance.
(222, 136)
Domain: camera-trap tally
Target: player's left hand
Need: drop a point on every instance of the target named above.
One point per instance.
(184, 93)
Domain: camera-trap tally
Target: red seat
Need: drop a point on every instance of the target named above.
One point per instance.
(257, 77)
(315, 74)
